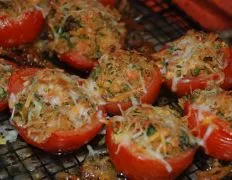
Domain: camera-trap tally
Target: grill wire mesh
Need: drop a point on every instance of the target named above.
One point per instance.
(19, 160)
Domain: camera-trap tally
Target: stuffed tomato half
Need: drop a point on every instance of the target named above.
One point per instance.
(51, 112)
(81, 31)
(20, 22)
(122, 79)
(195, 61)
(149, 143)
(210, 119)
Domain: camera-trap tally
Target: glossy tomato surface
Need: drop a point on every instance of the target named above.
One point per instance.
(227, 84)
(78, 61)
(64, 141)
(136, 167)
(110, 3)
(152, 88)
(215, 134)
(188, 85)
(18, 78)
(19, 30)
(59, 141)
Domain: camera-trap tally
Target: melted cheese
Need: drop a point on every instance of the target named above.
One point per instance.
(8, 134)
(208, 132)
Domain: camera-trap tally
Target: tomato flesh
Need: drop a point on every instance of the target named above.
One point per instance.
(217, 143)
(20, 30)
(110, 3)
(136, 167)
(18, 78)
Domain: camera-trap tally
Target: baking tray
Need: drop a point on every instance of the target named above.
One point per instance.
(18, 160)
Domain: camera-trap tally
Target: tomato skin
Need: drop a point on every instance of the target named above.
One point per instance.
(138, 168)
(227, 85)
(3, 105)
(18, 78)
(219, 143)
(110, 3)
(59, 141)
(20, 30)
(152, 87)
(64, 141)
(187, 85)
(78, 61)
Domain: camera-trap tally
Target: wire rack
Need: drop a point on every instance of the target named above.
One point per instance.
(18, 160)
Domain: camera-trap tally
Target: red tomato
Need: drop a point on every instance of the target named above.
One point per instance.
(78, 61)
(18, 77)
(64, 141)
(228, 70)
(187, 85)
(138, 168)
(110, 3)
(152, 87)
(215, 134)
(59, 141)
(23, 29)
(4, 104)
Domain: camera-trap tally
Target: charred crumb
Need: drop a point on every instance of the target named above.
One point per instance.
(98, 167)
(26, 56)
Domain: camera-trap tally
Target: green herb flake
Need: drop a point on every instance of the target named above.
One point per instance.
(170, 49)
(178, 73)
(18, 106)
(3, 93)
(151, 130)
(126, 87)
(196, 71)
(184, 140)
(109, 81)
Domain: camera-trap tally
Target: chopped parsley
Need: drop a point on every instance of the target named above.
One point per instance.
(196, 71)
(3, 93)
(18, 106)
(151, 130)
(184, 140)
